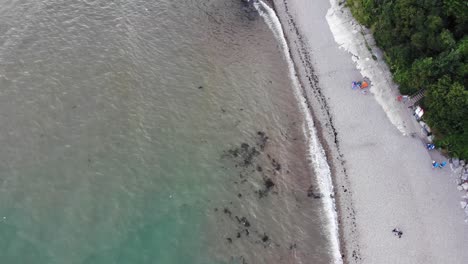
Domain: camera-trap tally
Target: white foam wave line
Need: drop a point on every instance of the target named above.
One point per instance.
(346, 33)
(316, 151)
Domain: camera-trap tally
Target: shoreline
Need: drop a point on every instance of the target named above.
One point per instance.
(326, 133)
(316, 152)
(391, 191)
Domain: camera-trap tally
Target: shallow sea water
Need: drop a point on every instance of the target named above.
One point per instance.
(129, 133)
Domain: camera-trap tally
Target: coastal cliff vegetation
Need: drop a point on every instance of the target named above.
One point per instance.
(425, 44)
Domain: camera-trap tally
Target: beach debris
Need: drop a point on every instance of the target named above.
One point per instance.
(200, 87)
(355, 255)
(435, 164)
(397, 232)
(402, 98)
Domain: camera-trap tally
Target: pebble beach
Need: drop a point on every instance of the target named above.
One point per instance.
(393, 207)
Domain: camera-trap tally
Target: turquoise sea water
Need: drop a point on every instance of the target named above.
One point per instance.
(120, 124)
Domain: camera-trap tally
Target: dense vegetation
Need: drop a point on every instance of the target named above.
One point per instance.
(426, 46)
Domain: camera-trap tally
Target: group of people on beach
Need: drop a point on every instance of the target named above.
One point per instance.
(361, 85)
(397, 232)
(435, 164)
(440, 165)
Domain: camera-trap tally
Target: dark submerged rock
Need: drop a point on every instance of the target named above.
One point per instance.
(249, 9)
(261, 193)
(262, 139)
(269, 183)
(276, 165)
(243, 221)
(227, 211)
(246, 152)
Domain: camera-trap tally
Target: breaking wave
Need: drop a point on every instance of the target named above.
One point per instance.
(315, 150)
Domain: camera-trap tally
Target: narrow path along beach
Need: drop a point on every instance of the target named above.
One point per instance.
(383, 177)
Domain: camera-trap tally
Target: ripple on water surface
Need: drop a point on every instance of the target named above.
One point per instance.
(150, 132)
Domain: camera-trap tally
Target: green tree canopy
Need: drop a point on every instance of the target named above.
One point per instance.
(425, 44)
